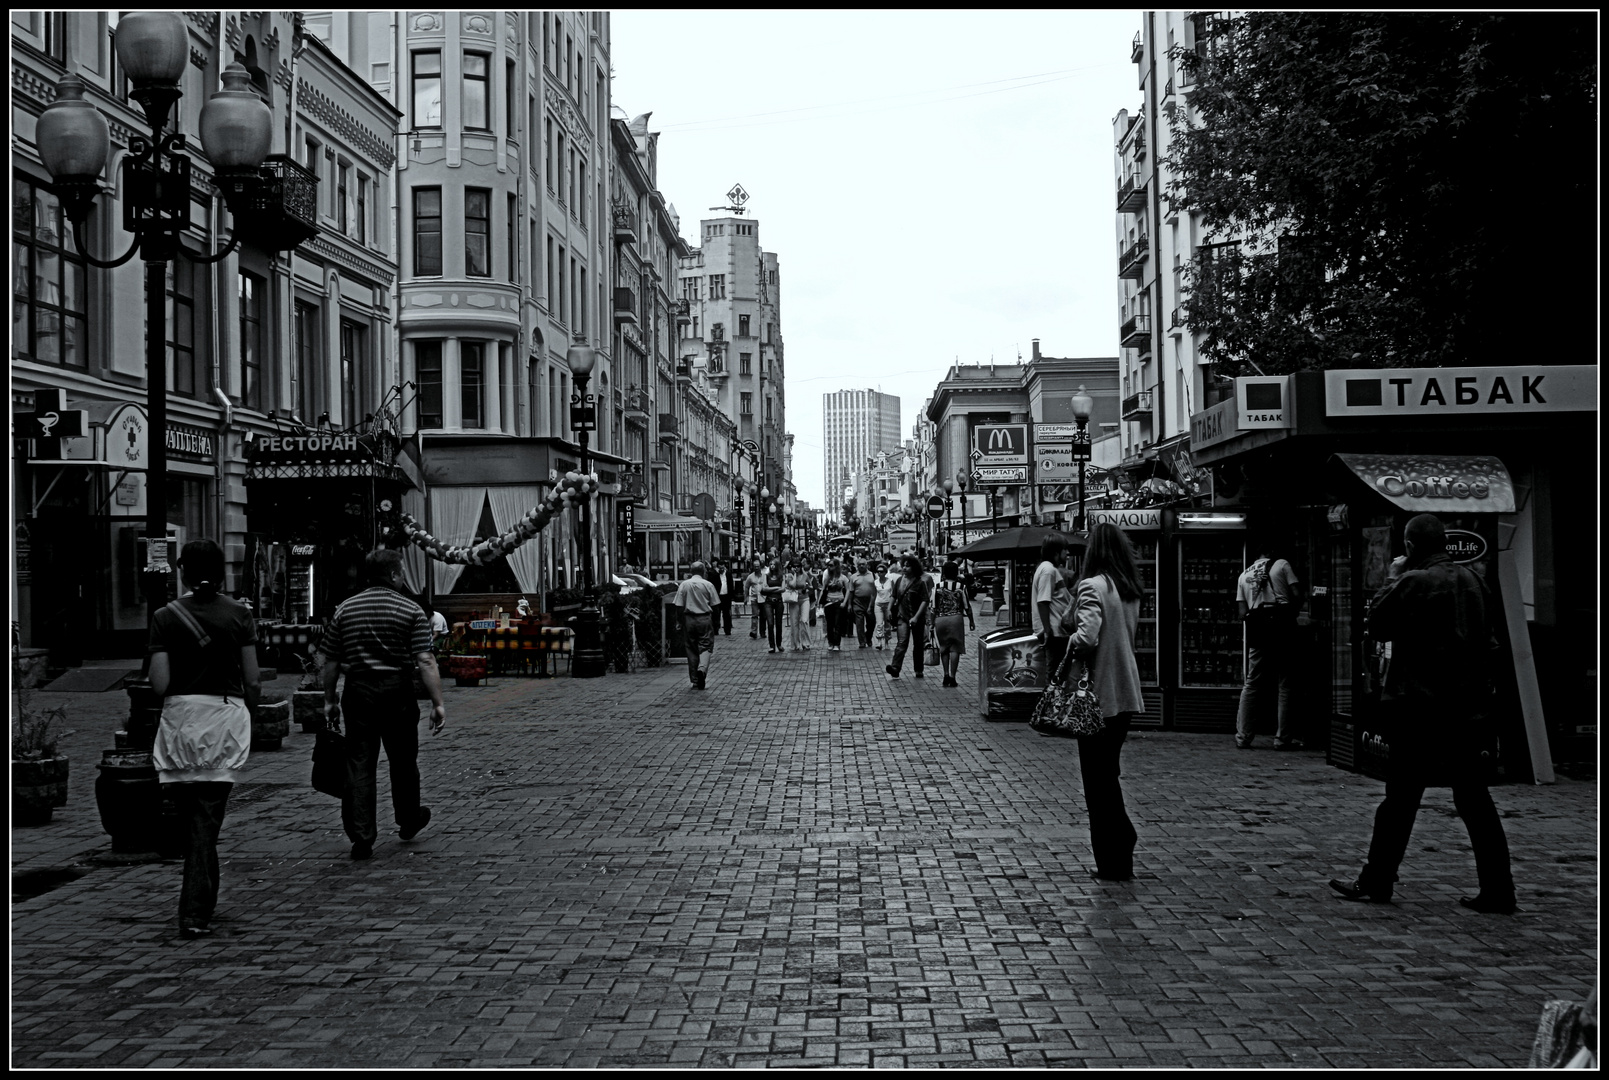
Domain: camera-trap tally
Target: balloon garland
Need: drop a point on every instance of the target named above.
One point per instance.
(570, 491)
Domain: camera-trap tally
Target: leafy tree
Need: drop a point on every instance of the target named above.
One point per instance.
(1391, 189)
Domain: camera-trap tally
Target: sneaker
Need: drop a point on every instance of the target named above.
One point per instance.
(419, 824)
(362, 850)
(1362, 892)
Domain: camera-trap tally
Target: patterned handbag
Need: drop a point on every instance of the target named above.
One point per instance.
(1067, 709)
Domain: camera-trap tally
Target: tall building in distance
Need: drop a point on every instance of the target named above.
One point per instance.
(857, 425)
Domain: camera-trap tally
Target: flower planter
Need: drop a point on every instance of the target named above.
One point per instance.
(272, 724)
(37, 788)
(467, 670)
(31, 667)
(308, 709)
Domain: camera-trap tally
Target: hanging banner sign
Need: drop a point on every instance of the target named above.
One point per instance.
(1000, 444)
(1460, 391)
(1264, 402)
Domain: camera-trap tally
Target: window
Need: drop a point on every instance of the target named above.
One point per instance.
(547, 46)
(477, 232)
(306, 328)
(427, 230)
(772, 277)
(48, 308)
(742, 326)
(558, 163)
(748, 404)
(341, 171)
(690, 289)
(427, 89)
(363, 209)
(354, 368)
(56, 36)
(189, 378)
(582, 291)
(745, 363)
(581, 191)
(251, 340)
(508, 99)
(575, 301)
(569, 180)
(427, 365)
(569, 69)
(564, 288)
(547, 280)
(717, 286)
(476, 116)
(513, 220)
(531, 382)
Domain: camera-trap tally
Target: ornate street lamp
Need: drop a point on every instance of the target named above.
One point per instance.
(949, 519)
(153, 48)
(961, 486)
(588, 662)
(1083, 405)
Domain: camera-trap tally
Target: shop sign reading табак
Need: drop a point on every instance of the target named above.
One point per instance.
(1457, 391)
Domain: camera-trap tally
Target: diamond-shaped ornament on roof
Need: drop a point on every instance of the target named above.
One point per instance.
(737, 195)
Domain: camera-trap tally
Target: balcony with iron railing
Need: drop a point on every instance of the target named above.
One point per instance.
(625, 222)
(625, 305)
(637, 405)
(1137, 406)
(1136, 333)
(669, 430)
(1177, 320)
(1131, 260)
(1131, 194)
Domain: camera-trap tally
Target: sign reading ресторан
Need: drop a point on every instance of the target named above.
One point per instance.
(1456, 391)
(315, 447)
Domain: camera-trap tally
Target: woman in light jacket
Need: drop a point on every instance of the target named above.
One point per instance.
(1107, 612)
(795, 591)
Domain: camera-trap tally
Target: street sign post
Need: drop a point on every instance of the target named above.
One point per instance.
(1008, 474)
(936, 505)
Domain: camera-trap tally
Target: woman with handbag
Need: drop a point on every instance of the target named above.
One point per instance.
(910, 606)
(950, 606)
(204, 664)
(795, 588)
(1102, 628)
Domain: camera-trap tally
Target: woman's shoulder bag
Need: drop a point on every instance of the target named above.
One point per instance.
(1069, 709)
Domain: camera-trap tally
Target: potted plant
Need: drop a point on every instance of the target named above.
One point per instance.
(38, 772)
(272, 723)
(455, 660)
(308, 700)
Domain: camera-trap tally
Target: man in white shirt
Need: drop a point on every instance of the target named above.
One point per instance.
(698, 599)
(1052, 600)
(1267, 596)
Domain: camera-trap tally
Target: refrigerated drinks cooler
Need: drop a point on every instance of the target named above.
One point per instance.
(1207, 554)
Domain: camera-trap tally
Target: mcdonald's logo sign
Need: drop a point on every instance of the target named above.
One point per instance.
(1000, 444)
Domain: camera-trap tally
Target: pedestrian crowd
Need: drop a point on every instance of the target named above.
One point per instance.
(1437, 614)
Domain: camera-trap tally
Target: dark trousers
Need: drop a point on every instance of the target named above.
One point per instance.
(1111, 833)
(726, 615)
(865, 621)
(201, 806)
(834, 615)
(913, 634)
(1393, 825)
(1055, 653)
(376, 713)
(773, 622)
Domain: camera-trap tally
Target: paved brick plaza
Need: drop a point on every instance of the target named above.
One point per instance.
(805, 864)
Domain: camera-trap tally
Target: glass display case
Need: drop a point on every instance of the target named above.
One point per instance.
(1145, 635)
(1211, 634)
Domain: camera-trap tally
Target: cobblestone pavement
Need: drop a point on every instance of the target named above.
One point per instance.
(806, 864)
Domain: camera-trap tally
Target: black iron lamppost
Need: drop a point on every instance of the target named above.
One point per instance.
(766, 509)
(1083, 405)
(961, 486)
(949, 515)
(74, 142)
(588, 662)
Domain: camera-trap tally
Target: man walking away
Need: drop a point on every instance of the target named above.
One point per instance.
(377, 637)
(771, 596)
(1053, 600)
(1267, 596)
(698, 599)
(1437, 615)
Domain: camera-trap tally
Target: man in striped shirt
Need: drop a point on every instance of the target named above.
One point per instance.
(377, 637)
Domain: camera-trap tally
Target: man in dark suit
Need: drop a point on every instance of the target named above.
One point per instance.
(725, 586)
(1438, 617)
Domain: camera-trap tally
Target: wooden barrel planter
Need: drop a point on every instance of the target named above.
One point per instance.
(467, 670)
(38, 786)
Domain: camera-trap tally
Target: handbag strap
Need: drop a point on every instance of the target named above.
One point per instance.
(182, 613)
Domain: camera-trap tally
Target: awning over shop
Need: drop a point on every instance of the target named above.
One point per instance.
(659, 521)
(324, 455)
(1436, 483)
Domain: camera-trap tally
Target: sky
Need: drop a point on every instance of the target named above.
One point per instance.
(936, 185)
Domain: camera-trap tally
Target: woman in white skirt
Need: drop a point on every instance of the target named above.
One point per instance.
(204, 664)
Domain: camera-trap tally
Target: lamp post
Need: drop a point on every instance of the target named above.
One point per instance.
(588, 662)
(1083, 405)
(949, 518)
(961, 486)
(765, 525)
(153, 48)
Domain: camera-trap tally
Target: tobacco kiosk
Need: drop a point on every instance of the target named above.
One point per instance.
(1506, 456)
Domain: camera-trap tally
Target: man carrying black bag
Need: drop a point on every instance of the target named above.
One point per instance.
(377, 637)
(1437, 615)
